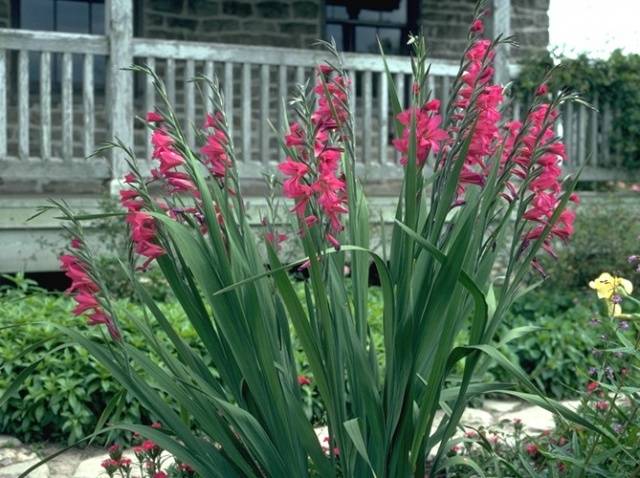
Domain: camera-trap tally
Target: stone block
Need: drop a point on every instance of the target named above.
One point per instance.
(297, 27)
(168, 6)
(220, 25)
(534, 419)
(306, 9)
(182, 23)
(15, 470)
(273, 9)
(203, 7)
(238, 9)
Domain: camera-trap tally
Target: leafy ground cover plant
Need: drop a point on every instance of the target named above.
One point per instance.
(610, 396)
(245, 417)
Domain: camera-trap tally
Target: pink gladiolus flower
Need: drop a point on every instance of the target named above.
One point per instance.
(168, 160)
(542, 90)
(303, 380)
(477, 26)
(429, 136)
(215, 153)
(153, 117)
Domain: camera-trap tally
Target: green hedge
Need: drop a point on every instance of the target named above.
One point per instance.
(615, 80)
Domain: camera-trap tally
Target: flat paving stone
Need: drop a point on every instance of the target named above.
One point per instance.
(16, 469)
(7, 441)
(534, 419)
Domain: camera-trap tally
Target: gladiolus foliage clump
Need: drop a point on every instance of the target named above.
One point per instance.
(475, 186)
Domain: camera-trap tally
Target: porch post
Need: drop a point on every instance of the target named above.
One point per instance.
(119, 31)
(502, 26)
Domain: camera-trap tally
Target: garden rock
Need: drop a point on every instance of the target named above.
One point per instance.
(15, 458)
(499, 406)
(534, 419)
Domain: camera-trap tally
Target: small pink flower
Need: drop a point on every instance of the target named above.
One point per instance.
(303, 380)
(602, 405)
(531, 449)
(153, 117)
(542, 90)
(477, 26)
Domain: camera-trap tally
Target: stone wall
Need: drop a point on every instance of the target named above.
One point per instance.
(446, 23)
(530, 25)
(249, 22)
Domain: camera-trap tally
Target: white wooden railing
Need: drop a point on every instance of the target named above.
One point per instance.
(48, 129)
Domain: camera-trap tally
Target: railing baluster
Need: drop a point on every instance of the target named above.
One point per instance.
(3, 104)
(228, 94)
(209, 72)
(282, 101)
(299, 75)
(352, 98)
(264, 113)
(568, 132)
(606, 128)
(594, 132)
(67, 107)
(431, 84)
(383, 92)
(399, 80)
(45, 105)
(516, 110)
(446, 91)
(246, 112)
(401, 96)
(149, 102)
(582, 137)
(366, 120)
(171, 80)
(23, 104)
(88, 104)
(189, 101)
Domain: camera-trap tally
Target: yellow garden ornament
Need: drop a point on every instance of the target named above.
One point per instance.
(608, 287)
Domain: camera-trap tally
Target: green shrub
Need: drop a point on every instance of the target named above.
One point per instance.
(64, 396)
(616, 80)
(564, 342)
(606, 233)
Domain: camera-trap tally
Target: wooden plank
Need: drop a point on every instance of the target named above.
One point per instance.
(300, 75)
(606, 130)
(264, 113)
(222, 52)
(446, 92)
(366, 117)
(119, 22)
(170, 80)
(3, 103)
(32, 40)
(593, 134)
(282, 102)
(246, 112)
(581, 136)
(352, 98)
(74, 170)
(228, 94)
(67, 107)
(516, 110)
(45, 105)
(88, 105)
(149, 102)
(399, 81)
(567, 124)
(383, 92)
(190, 102)
(400, 90)
(209, 72)
(23, 104)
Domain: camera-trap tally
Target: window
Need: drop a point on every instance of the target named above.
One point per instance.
(69, 16)
(74, 16)
(356, 24)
